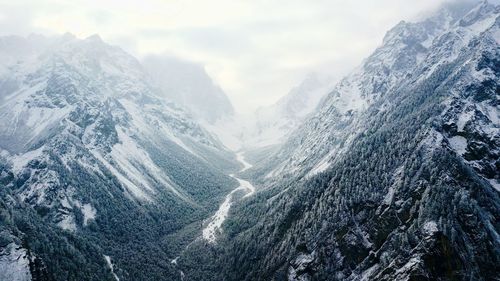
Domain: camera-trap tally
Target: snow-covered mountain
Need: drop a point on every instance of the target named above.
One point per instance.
(394, 177)
(406, 48)
(275, 122)
(302, 99)
(189, 85)
(87, 141)
(97, 93)
(270, 126)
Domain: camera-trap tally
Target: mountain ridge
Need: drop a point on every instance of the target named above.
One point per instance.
(95, 159)
(393, 176)
(397, 184)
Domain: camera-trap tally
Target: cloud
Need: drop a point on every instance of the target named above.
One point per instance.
(256, 50)
(15, 20)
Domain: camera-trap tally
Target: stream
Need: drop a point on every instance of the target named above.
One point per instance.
(215, 226)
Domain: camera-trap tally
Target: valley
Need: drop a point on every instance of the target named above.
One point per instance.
(114, 167)
(215, 222)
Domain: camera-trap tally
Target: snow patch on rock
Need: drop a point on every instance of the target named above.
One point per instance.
(430, 227)
(459, 144)
(88, 212)
(14, 263)
(21, 160)
(110, 265)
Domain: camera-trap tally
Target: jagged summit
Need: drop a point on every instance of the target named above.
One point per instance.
(66, 36)
(479, 12)
(95, 38)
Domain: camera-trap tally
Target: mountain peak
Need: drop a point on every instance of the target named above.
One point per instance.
(481, 10)
(94, 38)
(68, 36)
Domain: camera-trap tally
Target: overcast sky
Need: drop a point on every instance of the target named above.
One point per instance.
(256, 50)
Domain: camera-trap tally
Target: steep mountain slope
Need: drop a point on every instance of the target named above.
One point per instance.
(274, 123)
(96, 166)
(394, 178)
(404, 47)
(188, 85)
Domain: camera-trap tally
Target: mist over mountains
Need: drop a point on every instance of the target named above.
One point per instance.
(118, 168)
(188, 85)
